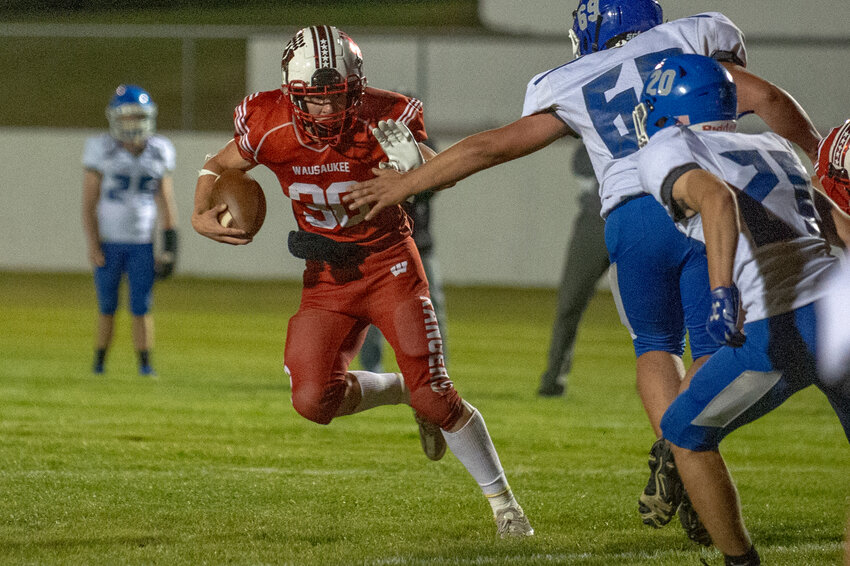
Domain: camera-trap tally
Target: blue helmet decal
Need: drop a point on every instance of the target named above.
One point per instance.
(600, 24)
(132, 114)
(686, 89)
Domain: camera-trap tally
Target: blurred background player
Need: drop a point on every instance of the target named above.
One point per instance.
(320, 133)
(832, 178)
(127, 183)
(658, 277)
(749, 200)
(833, 173)
(585, 262)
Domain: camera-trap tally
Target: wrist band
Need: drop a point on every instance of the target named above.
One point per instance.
(203, 172)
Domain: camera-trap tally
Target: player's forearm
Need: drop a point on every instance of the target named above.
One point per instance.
(445, 168)
(90, 225)
(701, 192)
(212, 168)
(203, 191)
(168, 219)
(91, 196)
(467, 157)
(166, 204)
(719, 214)
(227, 157)
(787, 118)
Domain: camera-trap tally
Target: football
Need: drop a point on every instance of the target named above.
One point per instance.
(246, 203)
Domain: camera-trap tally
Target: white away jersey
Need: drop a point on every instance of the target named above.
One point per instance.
(833, 329)
(596, 93)
(126, 211)
(781, 256)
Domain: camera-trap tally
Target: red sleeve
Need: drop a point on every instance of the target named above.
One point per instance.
(245, 137)
(410, 114)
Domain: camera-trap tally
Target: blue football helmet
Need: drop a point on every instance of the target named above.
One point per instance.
(132, 114)
(689, 90)
(600, 24)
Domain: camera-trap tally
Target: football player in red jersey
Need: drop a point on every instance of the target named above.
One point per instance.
(832, 179)
(320, 133)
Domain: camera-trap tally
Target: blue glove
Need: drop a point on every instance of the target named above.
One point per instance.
(722, 323)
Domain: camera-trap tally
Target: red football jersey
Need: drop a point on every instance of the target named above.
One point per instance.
(315, 177)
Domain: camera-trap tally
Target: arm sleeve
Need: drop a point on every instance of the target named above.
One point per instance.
(667, 157)
(538, 96)
(724, 40)
(93, 154)
(243, 134)
(411, 115)
(170, 155)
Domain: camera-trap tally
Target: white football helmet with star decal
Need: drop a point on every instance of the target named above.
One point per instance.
(323, 61)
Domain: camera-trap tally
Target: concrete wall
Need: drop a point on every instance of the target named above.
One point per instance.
(504, 226)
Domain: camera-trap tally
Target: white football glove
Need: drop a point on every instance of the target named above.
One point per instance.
(398, 143)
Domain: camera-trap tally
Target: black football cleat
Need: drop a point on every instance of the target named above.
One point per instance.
(431, 438)
(663, 492)
(691, 522)
(552, 385)
(551, 390)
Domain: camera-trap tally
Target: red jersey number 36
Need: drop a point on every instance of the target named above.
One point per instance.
(323, 208)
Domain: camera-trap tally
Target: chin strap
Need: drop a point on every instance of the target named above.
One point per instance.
(715, 126)
(595, 46)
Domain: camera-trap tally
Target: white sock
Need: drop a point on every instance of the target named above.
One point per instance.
(474, 448)
(378, 389)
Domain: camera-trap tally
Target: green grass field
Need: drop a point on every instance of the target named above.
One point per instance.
(209, 463)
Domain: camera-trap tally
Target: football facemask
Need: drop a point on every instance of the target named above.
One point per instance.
(321, 62)
(691, 90)
(131, 114)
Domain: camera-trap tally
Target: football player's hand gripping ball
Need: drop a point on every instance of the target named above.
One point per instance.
(833, 165)
(398, 143)
(722, 324)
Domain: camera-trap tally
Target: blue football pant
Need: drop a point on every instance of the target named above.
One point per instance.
(659, 278)
(738, 385)
(136, 260)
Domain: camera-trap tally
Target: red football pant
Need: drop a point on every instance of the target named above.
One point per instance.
(389, 290)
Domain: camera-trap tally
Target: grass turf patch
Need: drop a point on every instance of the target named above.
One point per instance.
(210, 464)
